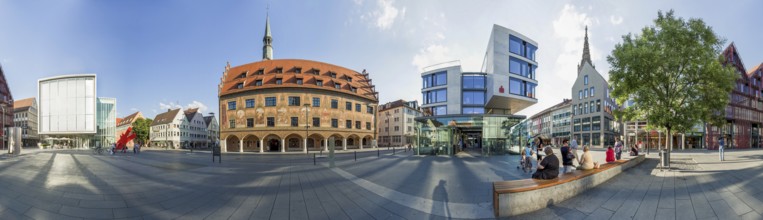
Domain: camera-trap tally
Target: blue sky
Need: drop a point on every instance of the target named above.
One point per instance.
(155, 54)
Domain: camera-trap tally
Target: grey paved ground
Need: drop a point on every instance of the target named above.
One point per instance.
(181, 185)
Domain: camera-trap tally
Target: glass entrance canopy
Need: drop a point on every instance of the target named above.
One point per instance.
(451, 134)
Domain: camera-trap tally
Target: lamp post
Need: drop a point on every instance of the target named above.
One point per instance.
(307, 126)
(376, 130)
(5, 136)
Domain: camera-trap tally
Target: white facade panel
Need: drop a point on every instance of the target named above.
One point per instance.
(67, 105)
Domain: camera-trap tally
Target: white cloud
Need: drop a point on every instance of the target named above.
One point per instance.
(134, 109)
(197, 104)
(170, 105)
(358, 2)
(616, 20)
(431, 55)
(386, 14)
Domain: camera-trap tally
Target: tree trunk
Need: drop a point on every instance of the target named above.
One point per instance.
(669, 138)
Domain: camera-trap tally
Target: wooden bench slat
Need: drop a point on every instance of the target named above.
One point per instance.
(524, 185)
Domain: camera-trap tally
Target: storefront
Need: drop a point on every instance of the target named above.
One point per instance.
(483, 134)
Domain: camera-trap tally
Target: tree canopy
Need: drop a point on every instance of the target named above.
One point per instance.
(673, 73)
(141, 128)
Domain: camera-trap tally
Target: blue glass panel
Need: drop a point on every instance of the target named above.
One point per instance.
(474, 98)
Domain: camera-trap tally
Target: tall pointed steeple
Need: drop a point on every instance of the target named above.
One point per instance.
(267, 47)
(586, 51)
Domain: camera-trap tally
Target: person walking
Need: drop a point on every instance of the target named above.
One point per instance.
(538, 147)
(567, 157)
(618, 148)
(574, 148)
(720, 148)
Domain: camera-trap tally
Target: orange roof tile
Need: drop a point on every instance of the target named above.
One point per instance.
(24, 103)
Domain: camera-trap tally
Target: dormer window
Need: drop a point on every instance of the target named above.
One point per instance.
(297, 70)
(242, 75)
(279, 81)
(279, 70)
(239, 85)
(316, 72)
(258, 83)
(299, 81)
(354, 89)
(332, 74)
(337, 86)
(260, 72)
(319, 82)
(349, 79)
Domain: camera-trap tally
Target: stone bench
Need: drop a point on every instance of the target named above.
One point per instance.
(516, 197)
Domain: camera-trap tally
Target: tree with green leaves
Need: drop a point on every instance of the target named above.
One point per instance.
(673, 72)
(141, 128)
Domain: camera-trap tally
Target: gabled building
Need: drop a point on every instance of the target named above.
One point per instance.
(6, 105)
(127, 122)
(193, 131)
(396, 123)
(592, 121)
(213, 130)
(25, 117)
(165, 129)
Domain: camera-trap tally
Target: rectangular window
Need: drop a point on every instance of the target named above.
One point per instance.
(586, 124)
(435, 96)
(316, 102)
(591, 107)
(299, 81)
(595, 139)
(516, 87)
(592, 92)
(337, 85)
(334, 123)
(249, 122)
(357, 107)
(232, 123)
(349, 79)
(294, 101)
(297, 70)
(576, 125)
(515, 45)
(239, 85)
(357, 124)
(473, 82)
(270, 101)
(250, 103)
(368, 125)
(530, 88)
(271, 121)
(369, 109)
(294, 121)
(473, 110)
(316, 122)
(232, 105)
(598, 105)
(596, 123)
(520, 67)
(440, 110)
(397, 128)
(334, 104)
(279, 81)
(348, 124)
(580, 94)
(473, 98)
(348, 106)
(258, 82)
(333, 75)
(585, 108)
(435, 79)
(319, 82)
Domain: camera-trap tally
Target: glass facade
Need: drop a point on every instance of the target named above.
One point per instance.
(473, 82)
(435, 79)
(473, 98)
(522, 68)
(447, 135)
(522, 48)
(435, 96)
(522, 88)
(106, 121)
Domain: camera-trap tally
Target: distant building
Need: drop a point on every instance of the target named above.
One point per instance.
(127, 122)
(6, 105)
(553, 124)
(592, 120)
(475, 110)
(178, 129)
(213, 130)
(396, 123)
(106, 118)
(25, 117)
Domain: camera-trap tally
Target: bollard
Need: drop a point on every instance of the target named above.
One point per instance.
(313, 159)
(356, 156)
(377, 152)
(393, 151)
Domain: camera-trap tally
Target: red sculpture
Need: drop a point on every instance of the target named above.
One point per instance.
(124, 138)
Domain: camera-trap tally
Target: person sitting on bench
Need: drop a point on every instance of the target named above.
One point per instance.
(548, 168)
(586, 161)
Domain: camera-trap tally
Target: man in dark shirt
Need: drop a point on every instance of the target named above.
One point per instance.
(548, 168)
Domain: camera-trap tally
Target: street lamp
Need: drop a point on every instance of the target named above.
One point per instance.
(389, 142)
(376, 130)
(307, 125)
(5, 136)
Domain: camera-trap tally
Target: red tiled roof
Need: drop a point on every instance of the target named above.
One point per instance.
(24, 103)
(288, 76)
(166, 117)
(129, 119)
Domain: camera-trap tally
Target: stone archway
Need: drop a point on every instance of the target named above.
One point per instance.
(272, 143)
(232, 143)
(251, 143)
(353, 142)
(294, 142)
(367, 141)
(315, 142)
(337, 141)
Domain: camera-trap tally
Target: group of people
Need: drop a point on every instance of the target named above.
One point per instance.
(135, 149)
(548, 167)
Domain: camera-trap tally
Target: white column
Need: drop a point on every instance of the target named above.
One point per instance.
(683, 141)
(304, 150)
(283, 145)
(223, 146)
(325, 145)
(241, 146)
(344, 144)
(361, 143)
(261, 146)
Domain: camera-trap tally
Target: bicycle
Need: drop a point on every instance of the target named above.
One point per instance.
(526, 164)
(98, 150)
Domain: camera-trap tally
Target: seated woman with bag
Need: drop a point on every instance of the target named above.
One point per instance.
(586, 160)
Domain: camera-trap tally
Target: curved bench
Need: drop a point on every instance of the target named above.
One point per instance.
(527, 195)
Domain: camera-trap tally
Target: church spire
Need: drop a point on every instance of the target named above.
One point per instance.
(267, 47)
(586, 51)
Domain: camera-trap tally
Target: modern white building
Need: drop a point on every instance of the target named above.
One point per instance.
(67, 113)
(475, 110)
(396, 123)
